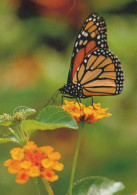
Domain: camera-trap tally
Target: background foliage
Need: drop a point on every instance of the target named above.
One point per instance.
(36, 42)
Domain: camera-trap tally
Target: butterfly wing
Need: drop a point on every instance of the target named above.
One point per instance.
(100, 74)
(92, 36)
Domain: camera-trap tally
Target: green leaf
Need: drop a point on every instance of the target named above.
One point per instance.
(32, 125)
(57, 116)
(26, 111)
(5, 140)
(49, 118)
(5, 119)
(96, 186)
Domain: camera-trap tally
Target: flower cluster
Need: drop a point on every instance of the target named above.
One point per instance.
(33, 161)
(89, 114)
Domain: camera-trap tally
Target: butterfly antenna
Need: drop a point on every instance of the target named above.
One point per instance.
(54, 96)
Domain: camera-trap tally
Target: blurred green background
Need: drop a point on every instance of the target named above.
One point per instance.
(36, 42)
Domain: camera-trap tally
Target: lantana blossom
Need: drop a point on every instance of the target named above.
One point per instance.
(88, 114)
(32, 161)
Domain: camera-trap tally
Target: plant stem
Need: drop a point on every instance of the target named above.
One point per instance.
(36, 183)
(48, 187)
(23, 134)
(75, 158)
(12, 131)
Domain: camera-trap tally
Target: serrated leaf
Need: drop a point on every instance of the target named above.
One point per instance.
(57, 116)
(96, 186)
(26, 111)
(6, 120)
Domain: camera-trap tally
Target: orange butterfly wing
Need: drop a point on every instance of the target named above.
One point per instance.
(100, 74)
(91, 37)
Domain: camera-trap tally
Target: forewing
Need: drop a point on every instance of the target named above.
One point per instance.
(92, 36)
(100, 74)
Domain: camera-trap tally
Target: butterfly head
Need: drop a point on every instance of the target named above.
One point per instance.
(72, 90)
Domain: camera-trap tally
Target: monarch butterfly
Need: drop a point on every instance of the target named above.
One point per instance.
(94, 70)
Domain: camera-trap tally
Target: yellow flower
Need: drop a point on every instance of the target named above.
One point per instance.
(34, 171)
(17, 153)
(89, 114)
(46, 163)
(25, 164)
(32, 161)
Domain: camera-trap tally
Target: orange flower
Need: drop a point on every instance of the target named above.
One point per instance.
(22, 177)
(50, 175)
(33, 161)
(89, 114)
(17, 153)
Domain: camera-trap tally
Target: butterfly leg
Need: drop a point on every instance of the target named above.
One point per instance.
(53, 98)
(81, 115)
(79, 100)
(92, 100)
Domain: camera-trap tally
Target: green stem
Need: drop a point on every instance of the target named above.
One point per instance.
(20, 132)
(12, 131)
(48, 187)
(75, 158)
(23, 134)
(36, 183)
(24, 137)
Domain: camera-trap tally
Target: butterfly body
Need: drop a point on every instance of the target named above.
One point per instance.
(94, 70)
(72, 90)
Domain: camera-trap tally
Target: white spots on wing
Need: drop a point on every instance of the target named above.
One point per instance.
(85, 60)
(90, 19)
(79, 35)
(76, 44)
(85, 34)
